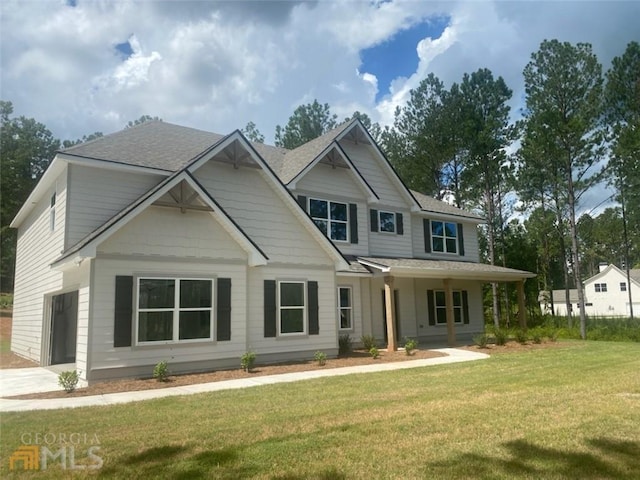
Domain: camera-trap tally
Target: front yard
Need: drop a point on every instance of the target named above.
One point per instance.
(567, 412)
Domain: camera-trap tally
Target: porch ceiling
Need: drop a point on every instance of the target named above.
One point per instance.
(419, 268)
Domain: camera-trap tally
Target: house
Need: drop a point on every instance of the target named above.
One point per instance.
(162, 242)
(606, 294)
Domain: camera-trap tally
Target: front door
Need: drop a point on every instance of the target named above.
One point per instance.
(64, 327)
(397, 315)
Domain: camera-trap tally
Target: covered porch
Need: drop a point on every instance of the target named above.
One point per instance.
(445, 294)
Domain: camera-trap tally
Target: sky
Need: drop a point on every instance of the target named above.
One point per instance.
(84, 66)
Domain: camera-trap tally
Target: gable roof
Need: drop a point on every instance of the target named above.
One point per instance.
(430, 204)
(633, 273)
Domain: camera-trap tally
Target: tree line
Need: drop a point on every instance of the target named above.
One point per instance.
(579, 127)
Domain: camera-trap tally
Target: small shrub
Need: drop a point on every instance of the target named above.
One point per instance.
(320, 357)
(521, 336)
(374, 352)
(68, 380)
(501, 337)
(247, 360)
(161, 371)
(481, 340)
(536, 336)
(368, 342)
(410, 344)
(345, 345)
(552, 335)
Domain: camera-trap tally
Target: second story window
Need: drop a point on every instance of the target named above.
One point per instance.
(331, 217)
(387, 222)
(623, 286)
(444, 237)
(600, 287)
(52, 213)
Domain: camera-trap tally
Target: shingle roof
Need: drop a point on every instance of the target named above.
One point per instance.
(430, 204)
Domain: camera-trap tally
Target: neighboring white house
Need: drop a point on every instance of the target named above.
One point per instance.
(606, 294)
(162, 242)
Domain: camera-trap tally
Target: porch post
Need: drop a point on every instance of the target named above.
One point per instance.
(392, 344)
(522, 311)
(451, 330)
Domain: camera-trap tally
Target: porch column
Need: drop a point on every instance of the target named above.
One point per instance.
(522, 310)
(392, 344)
(451, 329)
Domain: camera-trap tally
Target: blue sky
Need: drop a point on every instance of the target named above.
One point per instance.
(83, 66)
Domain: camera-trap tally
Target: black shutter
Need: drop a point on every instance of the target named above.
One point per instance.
(465, 306)
(353, 223)
(302, 201)
(426, 226)
(431, 307)
(270, 323)
(399, 226)
(223, 310)
(312, 300)
(460, 240)
(123, 311)
(374, 220)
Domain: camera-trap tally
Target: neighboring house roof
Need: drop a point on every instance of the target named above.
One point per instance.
(633, 273)
(430, 204)
(443, 269)
(558, 296)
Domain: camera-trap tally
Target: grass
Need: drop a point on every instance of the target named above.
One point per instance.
(566, 412)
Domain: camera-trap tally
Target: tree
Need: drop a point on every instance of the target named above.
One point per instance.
(84, 139)
(307, 122)
(485, 135)
(563, 85)
(141, 120)
(252, 133)
(27, 148)
(622, 100)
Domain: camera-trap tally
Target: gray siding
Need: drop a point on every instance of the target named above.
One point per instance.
(470, 233)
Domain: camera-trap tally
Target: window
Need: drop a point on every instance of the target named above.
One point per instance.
(441, 309)
(174, 310)
(444, 237)
(344, 307)
(600, 287)
(291, 307)
(623, 286)
(331, 218)
(52, 213)
(387, 221)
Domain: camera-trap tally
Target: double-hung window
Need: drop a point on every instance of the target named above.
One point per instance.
(444, 237)
(441, 308)
(291, 306)
(331, 217)
(344, 308)
(387, 221)
(174, 310)
(600, 287)
(623, 286)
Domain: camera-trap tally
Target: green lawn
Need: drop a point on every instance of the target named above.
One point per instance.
(566, 412)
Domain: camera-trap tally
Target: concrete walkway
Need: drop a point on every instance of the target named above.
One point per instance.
(453, 355)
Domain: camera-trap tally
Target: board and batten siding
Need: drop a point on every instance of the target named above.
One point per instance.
(105, 357)
(280, 348)
(97, 194)
(167, 232)
(470, 237)
(37, 247)
(261, 212)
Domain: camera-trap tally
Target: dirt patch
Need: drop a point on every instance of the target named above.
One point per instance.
(512, 346)
(8, 359)
(128, 385)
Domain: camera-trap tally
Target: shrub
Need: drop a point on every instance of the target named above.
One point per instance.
(247, 360)
(521, 336)
(320, 357)
(345, 345)
(68, 380)
(536, 337)
(161, 371)
(481, 340)
(501, 337)
(410, 345)
(374, 352)
(368, 342)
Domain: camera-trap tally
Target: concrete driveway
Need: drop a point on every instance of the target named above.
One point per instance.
(20, 381)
